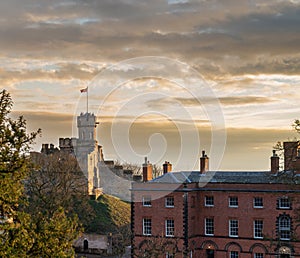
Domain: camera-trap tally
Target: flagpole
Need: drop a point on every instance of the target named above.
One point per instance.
(87, 99)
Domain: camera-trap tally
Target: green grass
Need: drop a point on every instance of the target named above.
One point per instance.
(112, 214)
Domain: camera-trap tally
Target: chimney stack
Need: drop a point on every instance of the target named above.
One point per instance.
(204, 163)
(147, 171)
(167, 167)
(274, 163)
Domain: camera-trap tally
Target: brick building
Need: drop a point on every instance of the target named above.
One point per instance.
(219, 214)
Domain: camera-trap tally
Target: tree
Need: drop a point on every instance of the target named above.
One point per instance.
(15, 227)
(137, 168)
(57, 194)
(21, 233)
(296, 125)
(54, 235)
(156, 246)
(57, 181)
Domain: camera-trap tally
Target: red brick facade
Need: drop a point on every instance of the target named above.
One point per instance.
(236, 214)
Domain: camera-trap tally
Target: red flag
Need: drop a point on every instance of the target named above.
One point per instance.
(84, 90)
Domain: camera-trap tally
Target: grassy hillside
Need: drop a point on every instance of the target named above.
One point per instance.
(112, 214)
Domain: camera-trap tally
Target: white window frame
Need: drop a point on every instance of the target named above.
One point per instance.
(169, 202)
(168, 255)
(169, 227)
(209, 225)
(258, 226)
(211, 198)
(255, 204)
(284, 200)
(258, 255)
(234, 254)
(236, 201)
(147, 226)
(147, 201)
(233, 227)
(286, 227)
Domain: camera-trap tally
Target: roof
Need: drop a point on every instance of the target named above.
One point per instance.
(236, 177)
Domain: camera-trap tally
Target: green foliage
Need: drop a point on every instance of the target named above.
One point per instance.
(17, 236)
(23, 234)
(16, 226)
(54, 236)
(14, 145)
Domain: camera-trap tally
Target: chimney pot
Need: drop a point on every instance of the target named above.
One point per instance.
(274, 163)
(167, 167)
(147, 171)
(204, 163)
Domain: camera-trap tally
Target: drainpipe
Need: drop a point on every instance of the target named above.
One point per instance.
(185, 223)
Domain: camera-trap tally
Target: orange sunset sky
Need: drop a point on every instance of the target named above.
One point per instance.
(245, 55)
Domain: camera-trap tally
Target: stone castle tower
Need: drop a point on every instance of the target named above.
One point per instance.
(86, 149)
(114, 179)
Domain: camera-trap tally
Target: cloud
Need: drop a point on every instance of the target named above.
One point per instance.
(238, 29)
(47, 72)
(194, 102)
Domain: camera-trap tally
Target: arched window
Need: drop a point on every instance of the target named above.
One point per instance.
(284, 227)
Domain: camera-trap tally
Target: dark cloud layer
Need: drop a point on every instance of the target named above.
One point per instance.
(258, 34)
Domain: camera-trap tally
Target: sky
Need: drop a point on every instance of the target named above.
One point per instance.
(166, 78)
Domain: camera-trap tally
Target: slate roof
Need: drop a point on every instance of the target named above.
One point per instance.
(236, 177)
